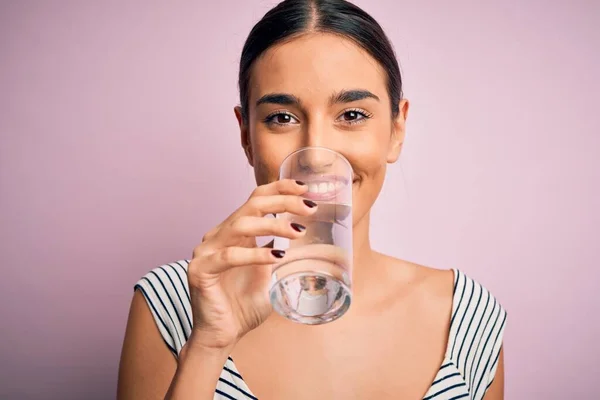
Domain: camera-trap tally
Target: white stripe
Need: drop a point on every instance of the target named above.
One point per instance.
(479, 322)
(473, 312)
(177, 293)
(165, 308)
(152, 299)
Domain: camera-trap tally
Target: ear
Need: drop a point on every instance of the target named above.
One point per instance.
(244, 135)
(398, 132)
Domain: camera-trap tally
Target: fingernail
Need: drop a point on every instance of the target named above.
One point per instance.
(298, 227)
(300, 183)
(278, 253)
(310, 204)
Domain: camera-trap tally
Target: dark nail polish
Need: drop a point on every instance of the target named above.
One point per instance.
(298, 227)
(310, 204)
(278, 253)
(300, 183)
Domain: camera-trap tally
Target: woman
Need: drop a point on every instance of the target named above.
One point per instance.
(312, 73)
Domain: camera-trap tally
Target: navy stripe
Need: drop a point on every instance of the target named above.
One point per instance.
(157, 315)
(459, 396)
(474, 370)
(485, 345)
(172, 303)
(462, 320)
(183, 285)
(237, 388)
(497, 355)
(164, 308)
(458, 303)
(445, 390)
(445, 366)
(456, 273)
(469, 328)
(468, 372)
(232, 372)
(489, 359)
(444, 378)
(224, 394)
(182, 267)
(179, 297)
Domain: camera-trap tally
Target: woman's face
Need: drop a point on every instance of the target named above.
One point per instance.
(322, 90)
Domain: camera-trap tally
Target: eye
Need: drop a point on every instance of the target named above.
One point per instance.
(281, 118)
(354, 116)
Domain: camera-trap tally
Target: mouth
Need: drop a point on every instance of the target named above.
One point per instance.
(325, 187)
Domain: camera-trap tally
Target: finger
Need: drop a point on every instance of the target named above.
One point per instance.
(250, 226)
(263, 207)
(283, 186)
(276, 204)
(232, 257)
(212, 233)
(261, 204)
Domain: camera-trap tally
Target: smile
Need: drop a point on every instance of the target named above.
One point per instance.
(325, 188)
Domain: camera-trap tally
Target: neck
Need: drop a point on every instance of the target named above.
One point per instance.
(363, 255)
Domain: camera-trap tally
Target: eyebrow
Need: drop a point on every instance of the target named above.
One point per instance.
(278, 98)
(344, 96)
(348, 96)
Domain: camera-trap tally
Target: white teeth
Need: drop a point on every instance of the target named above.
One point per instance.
(324, 187)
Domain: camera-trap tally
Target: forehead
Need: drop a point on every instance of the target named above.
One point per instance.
(313, 66)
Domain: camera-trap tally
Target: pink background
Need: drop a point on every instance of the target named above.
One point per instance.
(119, 149)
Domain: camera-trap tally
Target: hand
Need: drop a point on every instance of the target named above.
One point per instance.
(229, 275)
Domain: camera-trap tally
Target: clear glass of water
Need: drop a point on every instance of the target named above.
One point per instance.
(313, 283)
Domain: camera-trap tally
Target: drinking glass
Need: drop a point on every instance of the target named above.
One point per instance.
(312, 284)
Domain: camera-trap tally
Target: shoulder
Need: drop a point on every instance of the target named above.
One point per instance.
(474, 319)
(476, 332)
(472, 299)
(166, 291)
(475, 322)
(172, 274)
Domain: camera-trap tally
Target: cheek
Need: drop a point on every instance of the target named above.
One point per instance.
(370, 148)
(267, 159)
(369, 159)
(265, 170)
(371, 165)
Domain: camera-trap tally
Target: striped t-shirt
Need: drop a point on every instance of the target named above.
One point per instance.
(469, 365)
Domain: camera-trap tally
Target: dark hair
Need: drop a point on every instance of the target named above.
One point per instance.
(293, 17)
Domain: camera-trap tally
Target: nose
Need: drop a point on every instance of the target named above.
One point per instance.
(316, 160)
(321, 159)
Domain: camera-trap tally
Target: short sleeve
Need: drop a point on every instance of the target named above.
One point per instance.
(166, 292)
(476, 334)
(498, 334)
